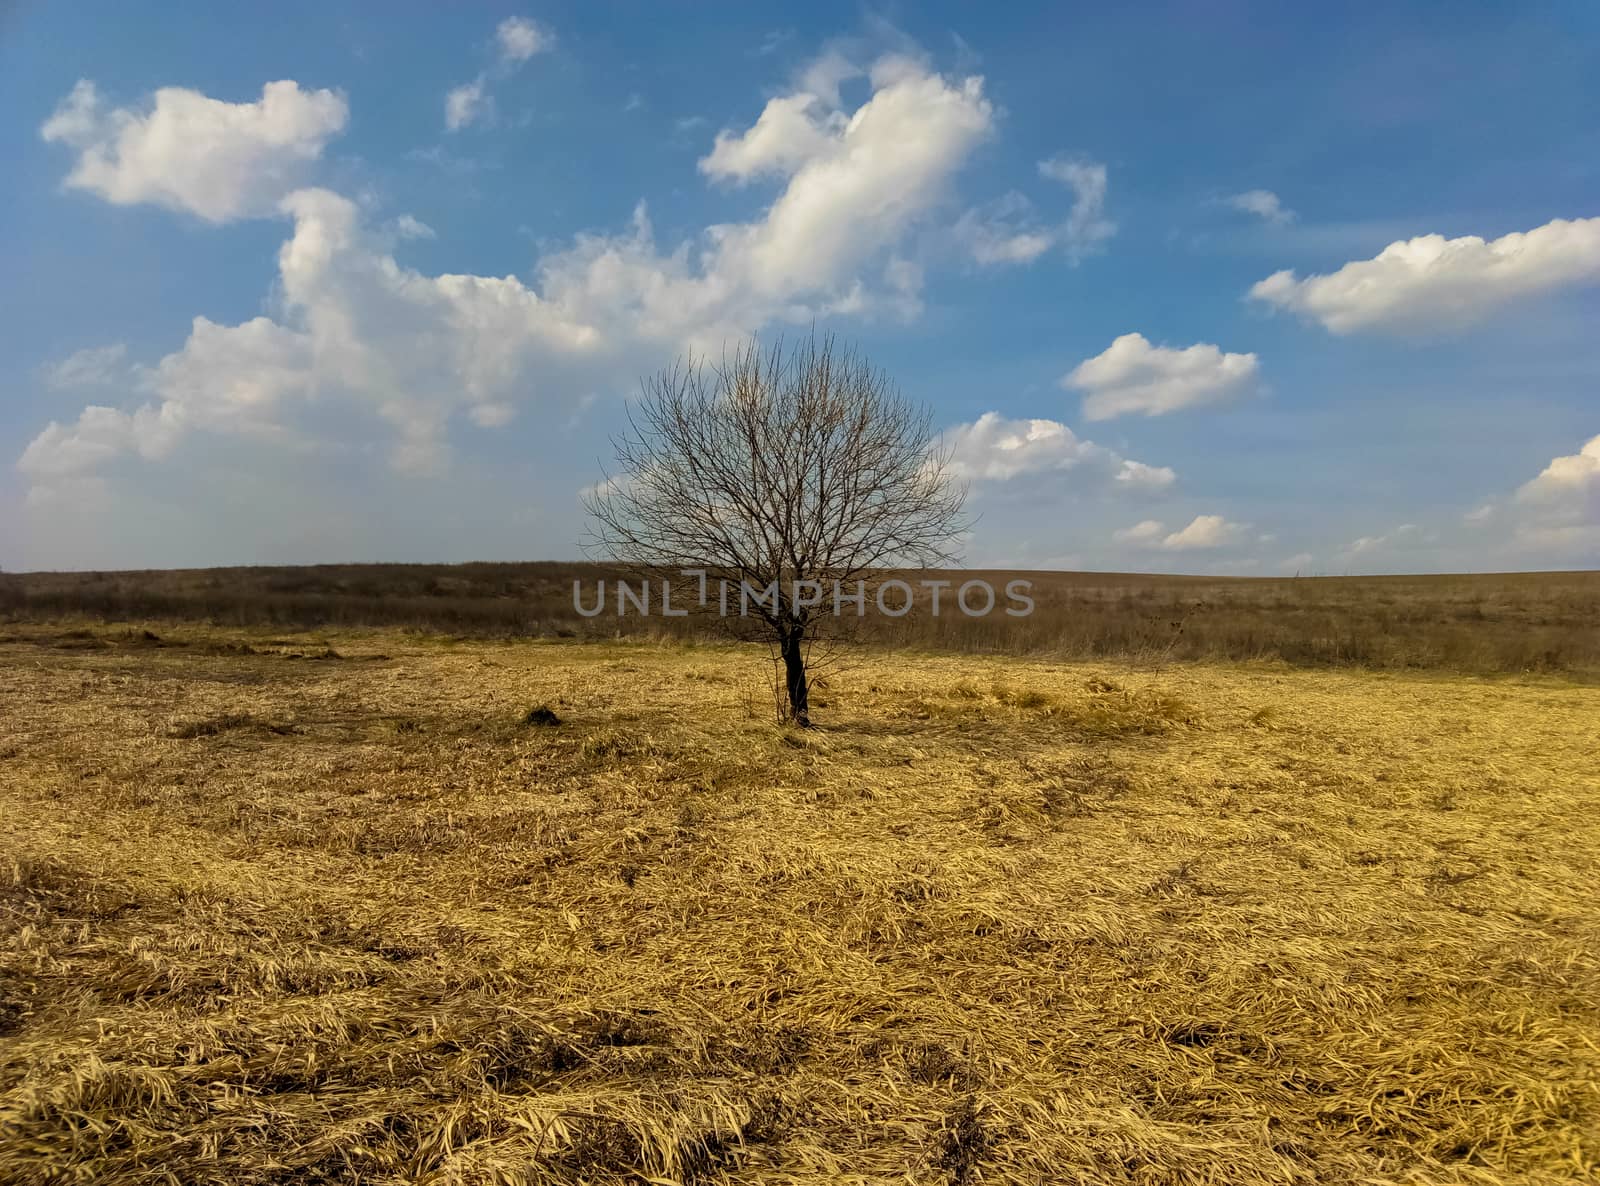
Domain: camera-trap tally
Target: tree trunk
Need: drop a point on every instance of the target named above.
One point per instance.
(794, 671)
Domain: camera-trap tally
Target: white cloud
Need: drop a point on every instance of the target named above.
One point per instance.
(990, 247)
(99, 435)
(994, 449)
(1005, 231)
(1431, 282)
(1567, 480)
(465, 105)
(352, 332)
(1299, 562)
(408, 227)
(519, 39)
(1205, 531)
(71, 496)
(190, 152)
(233, 379)
(1403, 534)
(826, 73)
(860, 185)
(1009, 230)
(1264, 204)
(791, 131)
(884, 163)
(236, 375)
(1131, 375)
(96, 366)
(1551, 521)
(1149, 531)
(354, 327)
(607, 487)
(516, 39)
(1136, 475)
(1086, 226)
(1560, 508)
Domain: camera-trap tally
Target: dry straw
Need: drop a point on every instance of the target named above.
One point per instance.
(269, 920)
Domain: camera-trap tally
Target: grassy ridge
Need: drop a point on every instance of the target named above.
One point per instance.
(1483, 623)
(303, 909)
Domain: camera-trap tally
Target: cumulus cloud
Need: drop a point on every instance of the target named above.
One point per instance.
(236, 375)
(1264, 204)
(188, 151)
(1132, 376)
(99, 435)
(1148, 531)
(1136, 475)
(1573, 481)
(1205, 531)
(96, 366)
(516, 40)
(994, 449)
(1009, 230)
(519, 39)
(1551, 520)
(1431, 283)
(913, 121)
(1560, 508)
(352, 329)
(791, 131)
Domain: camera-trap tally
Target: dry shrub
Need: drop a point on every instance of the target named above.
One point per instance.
(1120, 713)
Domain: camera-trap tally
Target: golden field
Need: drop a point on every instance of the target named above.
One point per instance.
(296, 909)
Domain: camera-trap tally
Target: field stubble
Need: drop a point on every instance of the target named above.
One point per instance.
(306, 909)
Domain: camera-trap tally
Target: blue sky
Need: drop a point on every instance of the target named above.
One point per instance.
(1237, 288)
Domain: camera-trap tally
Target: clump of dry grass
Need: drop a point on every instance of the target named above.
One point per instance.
(223, 723)
(995, 921)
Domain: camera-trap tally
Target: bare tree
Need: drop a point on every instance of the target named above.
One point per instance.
(799, 473)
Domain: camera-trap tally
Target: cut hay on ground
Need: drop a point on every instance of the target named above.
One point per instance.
(358, 921)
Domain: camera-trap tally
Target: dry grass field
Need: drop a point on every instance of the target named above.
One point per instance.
(1479, 623)
(299, 909)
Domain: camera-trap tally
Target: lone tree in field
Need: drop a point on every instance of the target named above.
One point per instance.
(799, 472)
